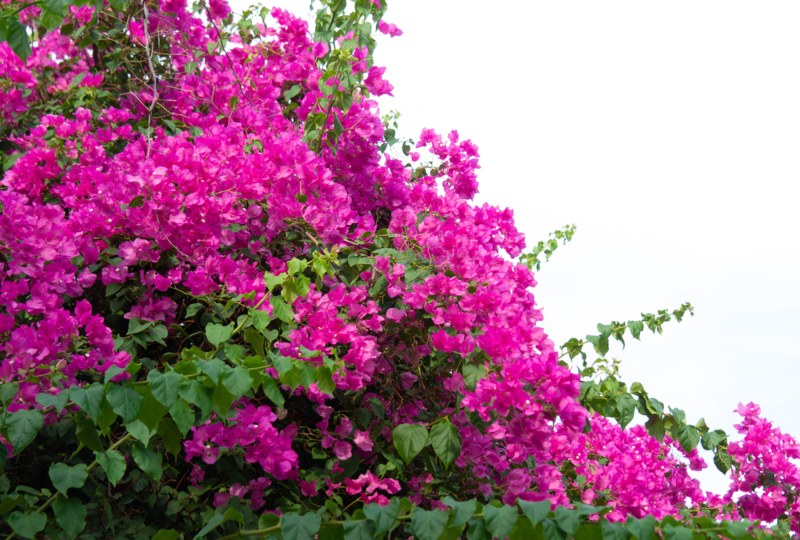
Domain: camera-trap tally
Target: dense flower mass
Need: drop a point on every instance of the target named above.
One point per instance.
(219, 264)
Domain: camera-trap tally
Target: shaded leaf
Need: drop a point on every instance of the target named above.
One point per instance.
(677, 532)
(27, 525)
(643, 528)
(409, 440)
(70, 514)
(499, 520)
(535, 511)
(148, 460)
(614, 531)
(384, 516)
(182, 415)
(65, 476)
(358, 529)
(17, 37)
(297, 527)
(446, 442)
(462, 511)
(567, 519)
(22, 427)
(89, 399)
(281, 310)
(217, 334)
(428, 524)
(125, 401)
(113, 464)
(165, 386)
(237, 380)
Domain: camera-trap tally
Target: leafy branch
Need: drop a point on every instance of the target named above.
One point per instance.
(474, 520)
(603, 392)
(546, 248)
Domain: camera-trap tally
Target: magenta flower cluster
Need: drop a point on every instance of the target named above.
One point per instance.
(112, 198)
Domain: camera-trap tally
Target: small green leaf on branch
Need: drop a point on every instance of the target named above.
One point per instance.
(409, 440)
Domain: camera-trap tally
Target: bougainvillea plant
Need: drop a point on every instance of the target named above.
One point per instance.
(234, 303)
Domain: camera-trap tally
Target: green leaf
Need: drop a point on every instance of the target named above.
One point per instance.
(428, 524)
(567, 519)
(113, 464)
(636, 328)
(331, 531)
(217, 334)
(27, 525)
(272, 281)
(722, 460)
(737, 529)
(297, 527)
(9, 390)
(198, 395)
(222, 400)
(446, 442)
(237, 380)
(260, 319)
(384, 517)
(137, 326)
(641, 529)
(152, 410)
(499, 520)
(614, 531)
(589, 531)
(462, 511)
(626, 407)
(295, 266)
(53, 12)
(587, 509)
(213, 522)
(89, 399)
(22, 427)
(688, 436)
(165, 386)
(272, 391)
(551, 530)
(148, 460)
(535, 511)
(409, 440)
(712, 439)
(476, 530)
(65, 477)
(324, 379)
(677, 532)
(195, 308)
(600, 344)
(358, 529)
(17, 37)
(523, 530)
(291, 92)
(655, 427)
(183, 415)
(125, 401)
(87, 434)
(70, 514)
(140, 431)
(281, 310)
(112, 372)
(167, 534)
(171, 435)
(58, 401)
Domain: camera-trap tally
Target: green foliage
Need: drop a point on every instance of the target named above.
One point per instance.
(544, 249)
(603, 391)
(446, 441)
(409, 440)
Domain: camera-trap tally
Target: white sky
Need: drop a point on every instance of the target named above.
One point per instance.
(669, 133)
